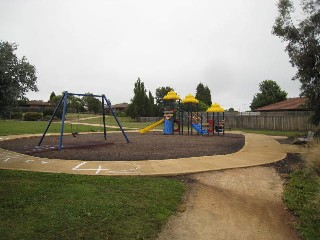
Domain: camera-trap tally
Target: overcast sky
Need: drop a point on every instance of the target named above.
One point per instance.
(104, 46)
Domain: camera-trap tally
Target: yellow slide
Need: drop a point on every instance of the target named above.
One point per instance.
(147, 129)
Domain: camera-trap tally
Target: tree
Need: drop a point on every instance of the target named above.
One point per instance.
(138, 106)
(151, 106)
(52, 96)
(160, 93)
(203, 94)
(93, 104)
(17, 77)
(270, 93)
(303, 46)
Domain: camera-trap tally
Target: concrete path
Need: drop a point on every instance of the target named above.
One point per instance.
(258, 150)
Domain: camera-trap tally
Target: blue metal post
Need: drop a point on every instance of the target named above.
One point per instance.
(104, 119)
(115, 117)
(54, 113)
(65, 100)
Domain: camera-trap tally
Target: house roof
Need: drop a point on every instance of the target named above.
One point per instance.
(120, 105)
(38, 103)
(286, 105)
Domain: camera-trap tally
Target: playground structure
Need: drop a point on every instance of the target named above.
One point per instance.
(63, 102)
(179, 114)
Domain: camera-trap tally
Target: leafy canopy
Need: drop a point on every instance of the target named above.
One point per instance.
(203, 94)
(302, 36)
(270, 93)
(141, 105)
(17, 77)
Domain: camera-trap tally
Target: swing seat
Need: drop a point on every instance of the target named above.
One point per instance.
(74, 134)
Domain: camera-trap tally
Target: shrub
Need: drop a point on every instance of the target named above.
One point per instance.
(32, 116)
(48, 111)
(16, 115)
(121, 114)
(48, 117)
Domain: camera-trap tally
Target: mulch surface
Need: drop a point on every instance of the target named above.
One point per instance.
(150, 146)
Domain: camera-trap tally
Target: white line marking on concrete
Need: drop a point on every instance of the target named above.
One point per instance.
(136, 167)
(79, 165)
(99, 169)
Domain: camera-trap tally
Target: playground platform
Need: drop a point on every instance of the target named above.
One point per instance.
(258, 150)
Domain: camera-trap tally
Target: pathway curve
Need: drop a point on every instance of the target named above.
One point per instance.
(258, 150)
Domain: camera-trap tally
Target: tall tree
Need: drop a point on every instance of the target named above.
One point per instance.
(93, 104)
(17, 77)
(301, 35)
(52, 96)
(270, 92)
(161, 92)
(203, 94)
(151, 105)
(139, 103)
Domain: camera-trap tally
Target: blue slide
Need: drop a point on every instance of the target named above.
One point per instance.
(197, 127)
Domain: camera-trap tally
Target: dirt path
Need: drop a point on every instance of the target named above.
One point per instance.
(233, 204)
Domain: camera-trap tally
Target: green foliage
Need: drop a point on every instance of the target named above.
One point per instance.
(302, 197)
(49, 112)
(61, 206)
(202, 106)
(52, 96)
(270, 92)
(141, 105)
(16, 115)
(303, 46)
(160, 93)
(54, 99)
(32, 116)
(203, 94)
(17, 77)
(48, 117)
(26, 127)
(93, 104)
(78, 104)
(274, 132)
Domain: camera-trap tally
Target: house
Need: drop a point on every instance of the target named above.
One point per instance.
(291, 104)
(122, 107)
(38, 104)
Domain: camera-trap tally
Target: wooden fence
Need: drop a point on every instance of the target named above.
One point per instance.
(284, 121)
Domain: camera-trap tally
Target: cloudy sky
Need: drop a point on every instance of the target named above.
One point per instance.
(103, 46)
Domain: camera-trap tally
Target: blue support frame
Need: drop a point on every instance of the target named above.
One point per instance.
(64, 99)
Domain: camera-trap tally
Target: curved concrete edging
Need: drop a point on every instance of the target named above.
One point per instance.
(258, 150)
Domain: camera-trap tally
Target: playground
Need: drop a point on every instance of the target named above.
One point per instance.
(192, 134)
(151, 146)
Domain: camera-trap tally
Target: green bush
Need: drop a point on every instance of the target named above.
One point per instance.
(16, 115)
(49, 111)
(32, 116)
(48, 117)
(121, 114)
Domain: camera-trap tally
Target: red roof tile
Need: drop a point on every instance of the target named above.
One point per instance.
(289, 104)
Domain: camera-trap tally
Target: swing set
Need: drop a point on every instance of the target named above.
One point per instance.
(63, 102)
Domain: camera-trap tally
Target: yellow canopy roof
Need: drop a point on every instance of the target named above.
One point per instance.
(215, 107)
(172, 95)
(190, 99)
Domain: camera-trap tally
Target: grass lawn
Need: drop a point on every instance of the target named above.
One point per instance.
(273, 132)
(11, 127)
(302, 197)
(125, 122)
(61, 206)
